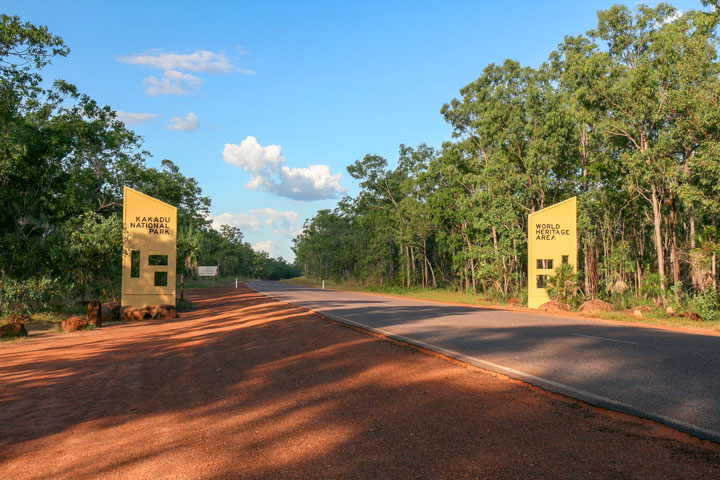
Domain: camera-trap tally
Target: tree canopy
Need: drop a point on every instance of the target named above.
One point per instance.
(63, 162)
(625, 117)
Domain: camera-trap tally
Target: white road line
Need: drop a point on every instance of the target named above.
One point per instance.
(603, 338)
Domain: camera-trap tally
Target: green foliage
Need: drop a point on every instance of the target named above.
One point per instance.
(706, 305)
(625, 117)
(26, 296)
(562, 285)
(93, 245)
(64, 160)
(651, 286)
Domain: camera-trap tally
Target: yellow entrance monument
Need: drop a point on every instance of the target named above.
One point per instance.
(552, 240)
(149, 250)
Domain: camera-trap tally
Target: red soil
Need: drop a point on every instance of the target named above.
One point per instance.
(246, 387)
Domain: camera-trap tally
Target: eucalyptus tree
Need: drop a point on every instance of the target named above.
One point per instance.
(627, 75)
(512, 124)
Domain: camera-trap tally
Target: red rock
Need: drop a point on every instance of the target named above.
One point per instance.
(110, 312)
(130, 314)
(554, 307)
(596, 305)
(165, 312)
(74, 323)
(94, 315)
(13, 329)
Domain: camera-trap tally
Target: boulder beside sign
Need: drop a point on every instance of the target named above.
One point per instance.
(207, 271)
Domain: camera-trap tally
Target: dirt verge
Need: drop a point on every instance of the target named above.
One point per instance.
(246, 387)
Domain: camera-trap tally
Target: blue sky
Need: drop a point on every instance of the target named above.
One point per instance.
(266, 103)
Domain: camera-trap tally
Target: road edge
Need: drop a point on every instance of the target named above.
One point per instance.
(543, 383)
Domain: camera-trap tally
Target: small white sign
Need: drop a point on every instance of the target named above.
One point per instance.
(207, 271)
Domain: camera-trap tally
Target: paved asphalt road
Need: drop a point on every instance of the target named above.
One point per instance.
(671, 377)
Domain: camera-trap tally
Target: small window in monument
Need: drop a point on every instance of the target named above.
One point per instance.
(541, 281)
(157, 259)
(135, 264)
(565, 259)
(161, 279)
(545, 264)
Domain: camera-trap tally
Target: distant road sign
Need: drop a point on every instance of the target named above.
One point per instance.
(207, 271)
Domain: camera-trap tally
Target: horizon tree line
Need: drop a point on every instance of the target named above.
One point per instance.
(625, 117)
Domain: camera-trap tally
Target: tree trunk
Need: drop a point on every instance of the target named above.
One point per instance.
(591, 269)
(425, 263)
(657, 221)
(692, 244)
(714, 272)
(674, 253)
(412, 262)
(432, 272)
(407, 266)
(182, 286)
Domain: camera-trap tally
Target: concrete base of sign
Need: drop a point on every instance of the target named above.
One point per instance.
(143, 300)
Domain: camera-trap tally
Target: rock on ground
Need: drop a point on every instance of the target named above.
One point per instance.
(13, 329)
(165, 312)
(595, 305)
(554, 306)
(74, 323)
(130, 314)
(94, 314)
(110, 311)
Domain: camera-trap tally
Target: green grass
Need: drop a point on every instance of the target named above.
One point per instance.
(437, 295)
(655, 317)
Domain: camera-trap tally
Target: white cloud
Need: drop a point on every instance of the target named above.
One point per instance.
(669, 19)
(283, 222)
(172, 82)
(315, 181)
(129, 118)
(198, 61)
(185, 124)
(175, 80)
(261, 162)
(265, 246)
(265, 165)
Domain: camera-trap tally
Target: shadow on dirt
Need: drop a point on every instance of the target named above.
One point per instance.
(247, 387)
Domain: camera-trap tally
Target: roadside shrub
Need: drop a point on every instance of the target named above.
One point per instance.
(651, 286)
(26, 296)
(677, 298)
(524, 296)
(705, 304)
(563, 285)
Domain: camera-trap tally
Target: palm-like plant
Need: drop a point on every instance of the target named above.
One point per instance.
(563, 285)
(188, 250)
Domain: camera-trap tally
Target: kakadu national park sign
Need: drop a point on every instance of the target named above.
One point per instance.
(149, 250)
(552, 241)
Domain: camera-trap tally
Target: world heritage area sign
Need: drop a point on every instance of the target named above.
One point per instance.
(552, 241)
(149, 250)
